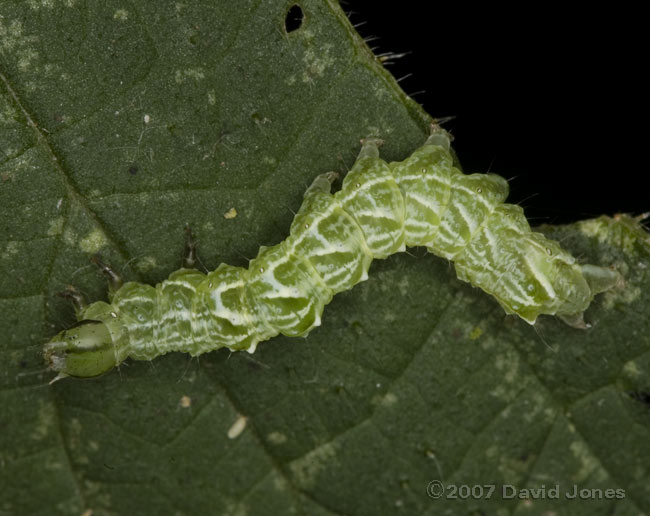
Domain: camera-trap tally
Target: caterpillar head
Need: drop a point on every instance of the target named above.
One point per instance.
(85, 350)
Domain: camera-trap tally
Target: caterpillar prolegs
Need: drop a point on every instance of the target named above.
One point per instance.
(382, 208)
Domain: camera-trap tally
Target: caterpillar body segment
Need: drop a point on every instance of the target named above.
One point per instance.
(381, 209)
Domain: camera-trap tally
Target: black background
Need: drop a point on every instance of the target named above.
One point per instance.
(554, 99)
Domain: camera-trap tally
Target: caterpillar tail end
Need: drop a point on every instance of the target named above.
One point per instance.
(85, 350)
(599, 279)
(575, 320)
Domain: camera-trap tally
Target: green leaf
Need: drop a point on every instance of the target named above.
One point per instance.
(120, 122)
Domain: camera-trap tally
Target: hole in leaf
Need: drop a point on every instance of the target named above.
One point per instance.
(293, 19)
(642, 396)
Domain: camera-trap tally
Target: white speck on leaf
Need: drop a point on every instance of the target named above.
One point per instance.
(121, 14)
(93, 242)
(56, 226)
(277, 437)
(305, 470)
(191, 73)
(237, 427)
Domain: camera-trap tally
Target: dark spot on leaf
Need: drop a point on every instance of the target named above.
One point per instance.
(293, 19)
(133, 169)
(23, 364)
(356, 327)
(340, 389)
(256, 117)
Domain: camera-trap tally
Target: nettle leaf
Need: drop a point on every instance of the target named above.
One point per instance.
(122, 122)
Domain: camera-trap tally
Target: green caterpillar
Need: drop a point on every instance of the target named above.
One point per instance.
(381, 209)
